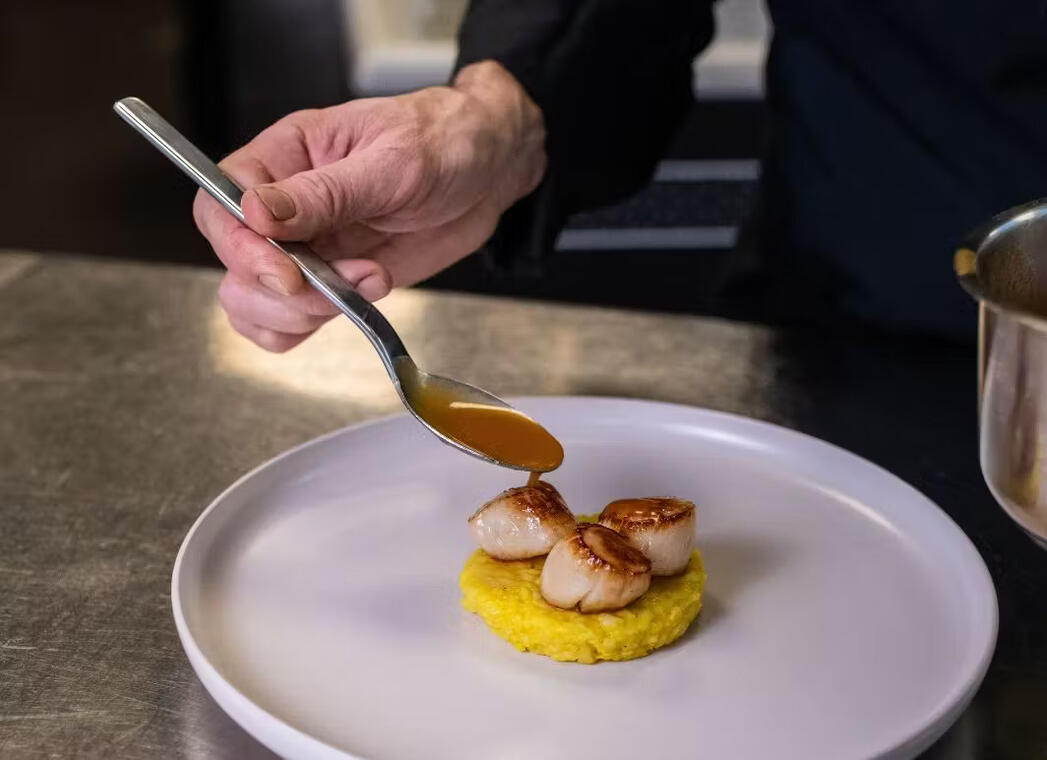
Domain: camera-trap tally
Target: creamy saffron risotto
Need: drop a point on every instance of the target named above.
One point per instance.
(507, 596)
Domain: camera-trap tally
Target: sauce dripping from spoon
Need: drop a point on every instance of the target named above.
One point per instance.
(501, 433)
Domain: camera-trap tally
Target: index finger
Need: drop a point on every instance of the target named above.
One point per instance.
(244, 252)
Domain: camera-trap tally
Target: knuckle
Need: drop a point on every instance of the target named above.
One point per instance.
(311, 324)
(198, 210)
(241, 327)
(266, 339)
(240, 244)
(272, 341)
(386, 278)
(246, 167)
(226, 294)
(304, 118)
(208, 220)
(295, 125)
(248, 257)
(255, 171)
(462, 151)
(297, 322)
(231, 159)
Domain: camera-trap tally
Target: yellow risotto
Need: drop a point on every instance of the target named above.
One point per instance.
(507, 596)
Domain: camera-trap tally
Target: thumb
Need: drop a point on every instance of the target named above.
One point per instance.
(316, 202)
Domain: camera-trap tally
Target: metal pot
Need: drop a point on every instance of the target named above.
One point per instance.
(1003, 264)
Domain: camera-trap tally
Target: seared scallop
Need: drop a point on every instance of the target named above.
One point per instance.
(663, 529)
(595, 570)
(522, 522)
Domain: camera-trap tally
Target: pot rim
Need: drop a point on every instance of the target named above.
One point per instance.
(965, 259)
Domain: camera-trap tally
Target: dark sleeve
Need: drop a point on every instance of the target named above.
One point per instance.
(613, 80)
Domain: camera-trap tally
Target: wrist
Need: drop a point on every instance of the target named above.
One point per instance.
(510, 116)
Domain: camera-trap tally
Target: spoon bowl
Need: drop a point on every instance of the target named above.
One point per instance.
(475, 421)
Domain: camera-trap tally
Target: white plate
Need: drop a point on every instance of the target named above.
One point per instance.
(845, 617)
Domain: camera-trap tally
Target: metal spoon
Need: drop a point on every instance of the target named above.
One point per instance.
(411, 383)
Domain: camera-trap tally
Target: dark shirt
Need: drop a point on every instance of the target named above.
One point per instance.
(895, 126)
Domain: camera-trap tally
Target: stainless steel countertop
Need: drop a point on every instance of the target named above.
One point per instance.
(128, 404)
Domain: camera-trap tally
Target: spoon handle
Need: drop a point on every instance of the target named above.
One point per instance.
(205, 173)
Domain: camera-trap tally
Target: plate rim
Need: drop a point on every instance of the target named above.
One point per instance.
(281, 737)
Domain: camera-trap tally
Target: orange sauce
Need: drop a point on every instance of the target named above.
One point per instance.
(503, 434)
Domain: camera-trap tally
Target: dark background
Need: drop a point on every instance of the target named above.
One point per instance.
(77, 180)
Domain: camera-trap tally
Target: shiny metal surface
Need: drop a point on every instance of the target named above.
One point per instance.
(408, 379)
(1004, 265)
(128, 404)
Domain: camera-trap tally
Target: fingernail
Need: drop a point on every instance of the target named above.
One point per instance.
(274, 283)
(277, 201)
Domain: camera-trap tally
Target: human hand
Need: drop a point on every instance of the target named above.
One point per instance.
(388, 190)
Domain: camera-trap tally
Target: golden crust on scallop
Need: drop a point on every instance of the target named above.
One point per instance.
(602, 547)
(647, 512)
(541, 500)
(522, 522)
